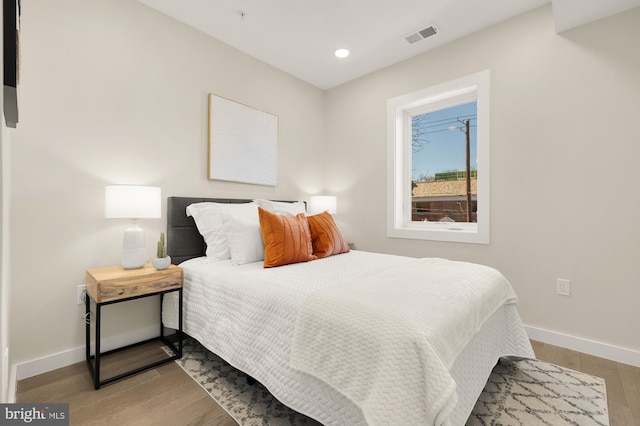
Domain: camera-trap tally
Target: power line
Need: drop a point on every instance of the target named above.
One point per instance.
(449, 118)
(472, 116)
(446, 130)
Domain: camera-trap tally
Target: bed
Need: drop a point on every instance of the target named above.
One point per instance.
(367, 363)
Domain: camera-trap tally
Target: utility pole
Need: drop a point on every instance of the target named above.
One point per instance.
(468, 149)
(466, 132)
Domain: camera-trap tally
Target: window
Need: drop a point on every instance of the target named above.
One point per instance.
(438, 162)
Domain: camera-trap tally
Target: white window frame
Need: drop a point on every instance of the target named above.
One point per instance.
(399, 113)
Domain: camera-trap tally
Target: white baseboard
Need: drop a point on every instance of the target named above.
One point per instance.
(73, 356)
(602, 350)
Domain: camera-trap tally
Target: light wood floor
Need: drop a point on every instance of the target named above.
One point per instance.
(166, 395)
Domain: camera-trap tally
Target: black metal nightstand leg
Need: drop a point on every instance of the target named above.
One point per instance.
(179, 323)
(97, 356)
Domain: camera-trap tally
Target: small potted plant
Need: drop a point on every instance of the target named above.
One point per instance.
(161, 261)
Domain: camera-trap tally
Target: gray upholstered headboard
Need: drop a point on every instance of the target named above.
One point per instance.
(184, 242)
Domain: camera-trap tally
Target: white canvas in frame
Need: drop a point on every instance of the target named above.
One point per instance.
(243, 143)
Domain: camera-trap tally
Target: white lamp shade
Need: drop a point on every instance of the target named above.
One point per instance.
(132, 202)
(321, 203)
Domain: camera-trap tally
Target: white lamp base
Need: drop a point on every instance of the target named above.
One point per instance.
(133, 248)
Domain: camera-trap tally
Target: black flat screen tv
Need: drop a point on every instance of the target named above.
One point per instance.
(11, 55)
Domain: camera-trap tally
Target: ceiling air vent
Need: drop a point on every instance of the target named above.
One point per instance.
(421, 34)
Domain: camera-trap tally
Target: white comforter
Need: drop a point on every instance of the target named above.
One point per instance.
(247, 315)
(386, 340)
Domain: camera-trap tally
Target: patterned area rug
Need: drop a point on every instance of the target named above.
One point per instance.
(523, 393)
(534, 392)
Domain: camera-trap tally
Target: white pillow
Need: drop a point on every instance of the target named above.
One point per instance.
(244, 238)
(208, 218)
(279, 207)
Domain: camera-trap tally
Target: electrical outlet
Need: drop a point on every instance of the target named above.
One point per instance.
(563, 287)
(81, 294)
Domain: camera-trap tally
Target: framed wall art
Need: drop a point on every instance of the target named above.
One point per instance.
(243, 143)
(11, 59)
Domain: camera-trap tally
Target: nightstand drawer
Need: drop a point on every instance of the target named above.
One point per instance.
(114, 283)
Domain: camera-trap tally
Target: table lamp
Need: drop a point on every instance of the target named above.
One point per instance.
(321, 203)
(132, 202)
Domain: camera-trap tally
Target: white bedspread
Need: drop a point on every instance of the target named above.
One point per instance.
(387, 340)
(247, 315)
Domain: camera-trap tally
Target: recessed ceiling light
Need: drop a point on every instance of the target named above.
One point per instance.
(342, 53)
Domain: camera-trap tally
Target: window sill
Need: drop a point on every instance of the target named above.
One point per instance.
(452, 232)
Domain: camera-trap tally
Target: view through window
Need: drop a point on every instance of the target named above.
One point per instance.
(444, 166)
(438, 170)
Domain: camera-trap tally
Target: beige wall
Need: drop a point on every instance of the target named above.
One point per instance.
(115, 92)
(564, 159)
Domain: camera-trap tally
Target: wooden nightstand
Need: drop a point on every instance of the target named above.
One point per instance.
(115, 284)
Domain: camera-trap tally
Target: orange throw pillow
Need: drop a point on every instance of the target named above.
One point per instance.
(287, 239)
(325, 236)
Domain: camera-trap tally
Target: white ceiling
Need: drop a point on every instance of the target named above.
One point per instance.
(300, 36)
